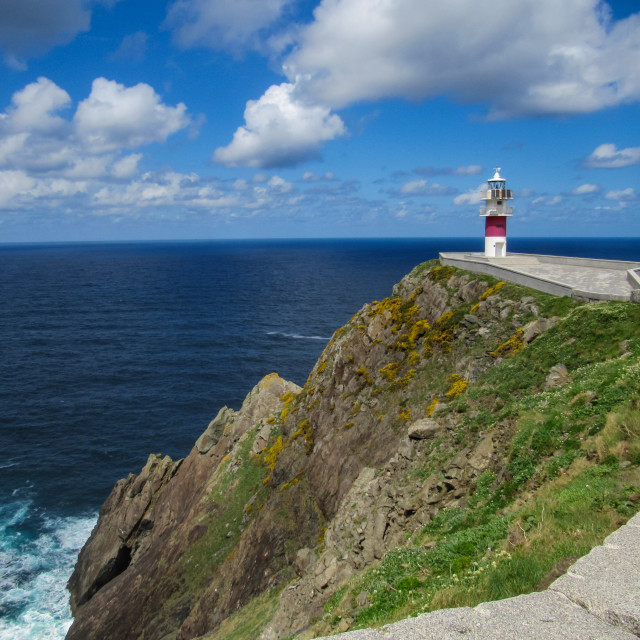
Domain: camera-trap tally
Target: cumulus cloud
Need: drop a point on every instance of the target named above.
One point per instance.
(280, 130)
(12, 184)
(220, 24)
(586, 189)
(422, 188)
(474, 196)
(114, 117)
(517, 59)
(527, 58)
(470, 170)
(549, 202)
(622, 195)
(608, 156)
(31, 108)
(309, 176)
(46, 155)
(126, 167)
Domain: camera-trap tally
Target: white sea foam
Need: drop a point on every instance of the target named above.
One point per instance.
(34, 570)
(295, 336)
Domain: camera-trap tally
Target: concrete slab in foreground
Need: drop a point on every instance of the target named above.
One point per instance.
(597, 599)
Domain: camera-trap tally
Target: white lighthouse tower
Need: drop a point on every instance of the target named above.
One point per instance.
(495, 212)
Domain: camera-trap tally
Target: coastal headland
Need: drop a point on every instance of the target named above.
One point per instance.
(464, 441)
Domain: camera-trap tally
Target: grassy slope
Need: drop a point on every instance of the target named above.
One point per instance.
(570, 473)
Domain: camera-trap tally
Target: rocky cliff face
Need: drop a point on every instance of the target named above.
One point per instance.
(283, 503)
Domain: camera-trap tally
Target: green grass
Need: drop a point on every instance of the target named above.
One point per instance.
(249, 621)
(564, 489)
(237, 480)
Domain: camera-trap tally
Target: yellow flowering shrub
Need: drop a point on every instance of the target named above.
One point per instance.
(491, 290)
(432, 406)
(457, 385)
(509, 348)
(271, 454)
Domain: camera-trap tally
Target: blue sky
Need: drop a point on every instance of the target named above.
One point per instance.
(146, 119)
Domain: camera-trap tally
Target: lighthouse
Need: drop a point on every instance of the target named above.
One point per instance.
(495, 212)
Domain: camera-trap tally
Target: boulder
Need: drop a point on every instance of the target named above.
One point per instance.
(558, 375)
(535, 328)
(424, 429)
(214, 431)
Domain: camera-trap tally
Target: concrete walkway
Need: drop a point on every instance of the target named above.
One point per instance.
(580, 278)
(597, 599)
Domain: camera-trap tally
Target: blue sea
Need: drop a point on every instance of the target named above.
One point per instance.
(114, 351)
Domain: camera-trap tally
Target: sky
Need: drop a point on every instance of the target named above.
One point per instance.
(188, 119)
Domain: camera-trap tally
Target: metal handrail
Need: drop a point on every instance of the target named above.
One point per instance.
(499, 194)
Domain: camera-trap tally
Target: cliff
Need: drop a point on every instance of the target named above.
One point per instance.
(460, 441)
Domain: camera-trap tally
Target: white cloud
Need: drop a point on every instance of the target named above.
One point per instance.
(220, 24)
(240, 185)
(32, 106)
(279, 184)
(44, 156)
(470, 170)
(527, 57)
(115, 117)
(586, 189)
(622, 195)
(309, 176)
(608, 156)
(280, 130)
(35, 139)
(549, 202)
(422, 188)
(472, 197)
(12, 184)
(126, 167)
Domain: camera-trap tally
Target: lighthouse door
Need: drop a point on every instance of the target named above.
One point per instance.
(500, 249)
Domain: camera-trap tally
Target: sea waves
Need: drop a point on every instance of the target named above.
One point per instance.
(37, 555)
(296, 336)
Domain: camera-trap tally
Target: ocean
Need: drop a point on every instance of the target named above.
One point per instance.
(112, 351)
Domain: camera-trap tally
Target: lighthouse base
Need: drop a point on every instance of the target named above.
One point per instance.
(495, 247)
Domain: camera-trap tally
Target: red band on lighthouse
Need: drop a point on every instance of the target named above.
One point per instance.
(495, 227)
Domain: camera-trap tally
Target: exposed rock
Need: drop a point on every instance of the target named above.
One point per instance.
(362, 599)
(424, 429)
(558, 375)
(335, 478)
(305, 558)
(473, 290)
(214, 431)
(261, 439)
(107, 553)
(481, 457)
(535, 328)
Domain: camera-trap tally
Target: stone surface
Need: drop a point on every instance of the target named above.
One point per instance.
(214, 431)
(424, 429)
(342, 490)
(598, 599)
(536, 327)
(606, 581)
(558, 375)
(537, 616)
